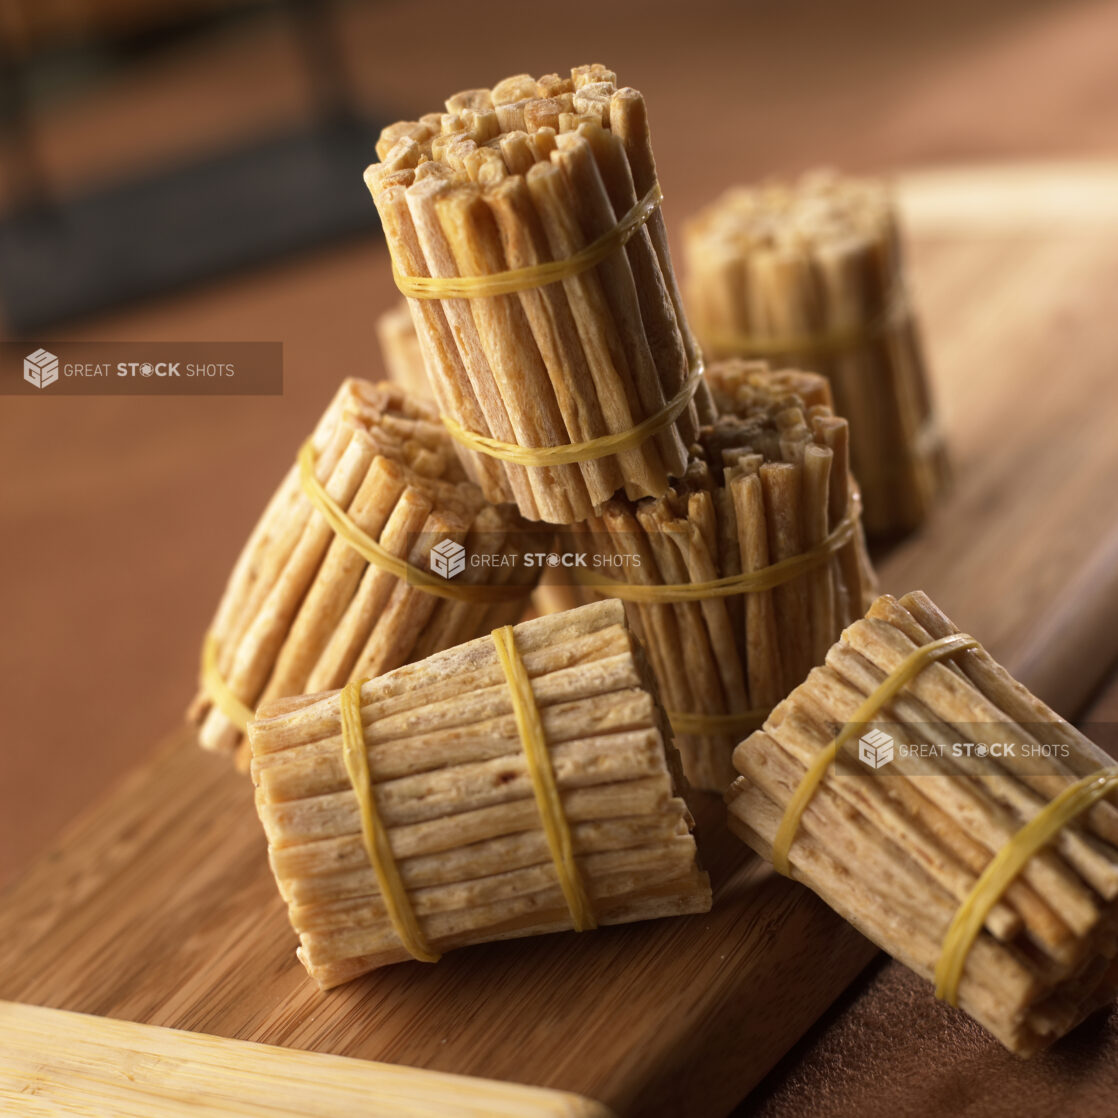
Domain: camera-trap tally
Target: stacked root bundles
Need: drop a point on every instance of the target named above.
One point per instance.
(404, 362)
(399, 347)
(304, 611)
(453, 790)
(555, 593)
(767, 484)
(922, 844)
(518, 176)
(812, 274)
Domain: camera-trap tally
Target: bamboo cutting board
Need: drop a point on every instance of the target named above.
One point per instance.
(158, 907)
(53, 1061)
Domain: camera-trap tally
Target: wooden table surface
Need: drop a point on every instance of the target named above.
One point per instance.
(122, 515)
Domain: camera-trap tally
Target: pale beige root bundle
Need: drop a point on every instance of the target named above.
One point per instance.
(452, 789)
(399, 346)
(303, 611)
(556, 592)
(897, 851)
(528, 172)
(821, 260)
(404, 361)
(765, 484)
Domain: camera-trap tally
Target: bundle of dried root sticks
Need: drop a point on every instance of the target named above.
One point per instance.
(811, 274)
(334, 582)
(743, 574)
(404, 362)
(993, 870)
(518, 784)
(525, 228)
(399, 347)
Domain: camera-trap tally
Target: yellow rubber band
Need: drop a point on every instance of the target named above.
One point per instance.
(749, 582)
(218, 691)
(537, 275)
(377, 847)
(824, 344)
(555, 828)
(906, 671)
(742, 722)
(1004, 867)
(372, 552)
(568, 453)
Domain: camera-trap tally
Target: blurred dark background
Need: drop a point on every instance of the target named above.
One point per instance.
(199, 206)
(151, 146)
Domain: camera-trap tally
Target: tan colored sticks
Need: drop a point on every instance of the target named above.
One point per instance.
(902, 823)
(521, 176)
(811, 273)
(768, 482)
(452, 788)
(399, 346)
(304, 611)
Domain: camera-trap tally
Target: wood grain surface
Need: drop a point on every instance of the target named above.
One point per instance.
(58, 1064)
(157, 906)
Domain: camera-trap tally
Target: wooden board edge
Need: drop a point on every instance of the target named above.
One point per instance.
(999, 200)
(57, 1062)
